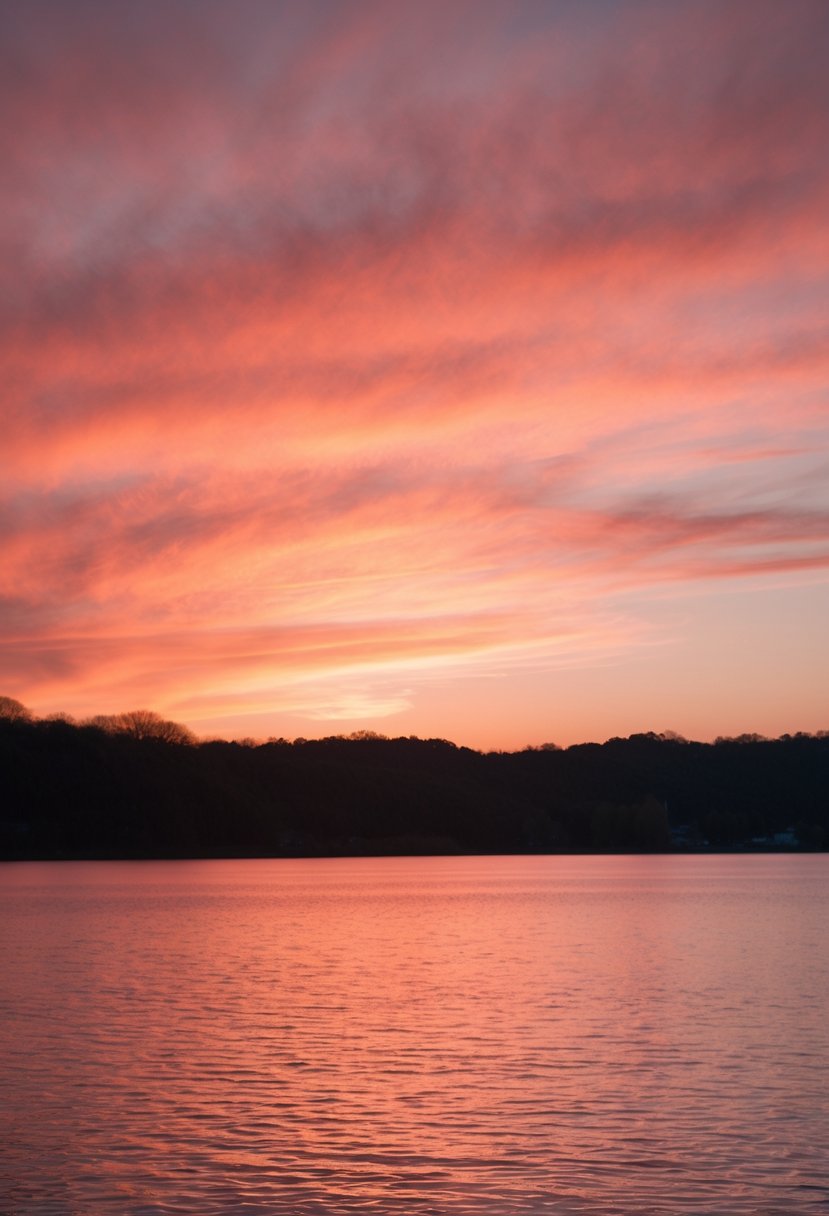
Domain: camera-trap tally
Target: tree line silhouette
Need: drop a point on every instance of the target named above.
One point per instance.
(136, 785)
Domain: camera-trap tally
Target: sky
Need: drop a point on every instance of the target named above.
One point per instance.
(451, 369)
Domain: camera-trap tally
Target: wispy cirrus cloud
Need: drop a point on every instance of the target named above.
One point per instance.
(347, 349)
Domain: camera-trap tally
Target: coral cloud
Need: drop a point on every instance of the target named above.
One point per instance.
(444, 372)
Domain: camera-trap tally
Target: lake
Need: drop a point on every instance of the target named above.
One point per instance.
(415, 1035)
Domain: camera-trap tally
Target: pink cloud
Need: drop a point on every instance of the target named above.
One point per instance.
(344, 353)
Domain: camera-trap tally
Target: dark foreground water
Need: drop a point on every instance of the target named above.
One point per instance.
(431, 1035)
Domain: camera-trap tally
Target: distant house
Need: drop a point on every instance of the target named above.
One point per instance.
(779, 840)
(687, 836)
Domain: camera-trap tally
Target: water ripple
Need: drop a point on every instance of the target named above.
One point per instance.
(436, 1036)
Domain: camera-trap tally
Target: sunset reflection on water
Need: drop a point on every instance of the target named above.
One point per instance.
(442, 1035)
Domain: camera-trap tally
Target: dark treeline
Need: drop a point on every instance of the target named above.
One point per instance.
(135, 786)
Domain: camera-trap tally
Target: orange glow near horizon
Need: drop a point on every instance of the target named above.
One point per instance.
(458, 371)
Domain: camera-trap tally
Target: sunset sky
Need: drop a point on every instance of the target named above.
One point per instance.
(452, 369)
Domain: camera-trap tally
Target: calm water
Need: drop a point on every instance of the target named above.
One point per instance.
(403, 1036)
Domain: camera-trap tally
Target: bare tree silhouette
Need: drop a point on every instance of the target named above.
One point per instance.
(14, 711)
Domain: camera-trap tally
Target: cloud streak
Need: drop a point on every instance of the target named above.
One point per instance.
(348, 350)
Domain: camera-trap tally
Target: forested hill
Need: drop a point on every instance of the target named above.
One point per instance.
(107, 790)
